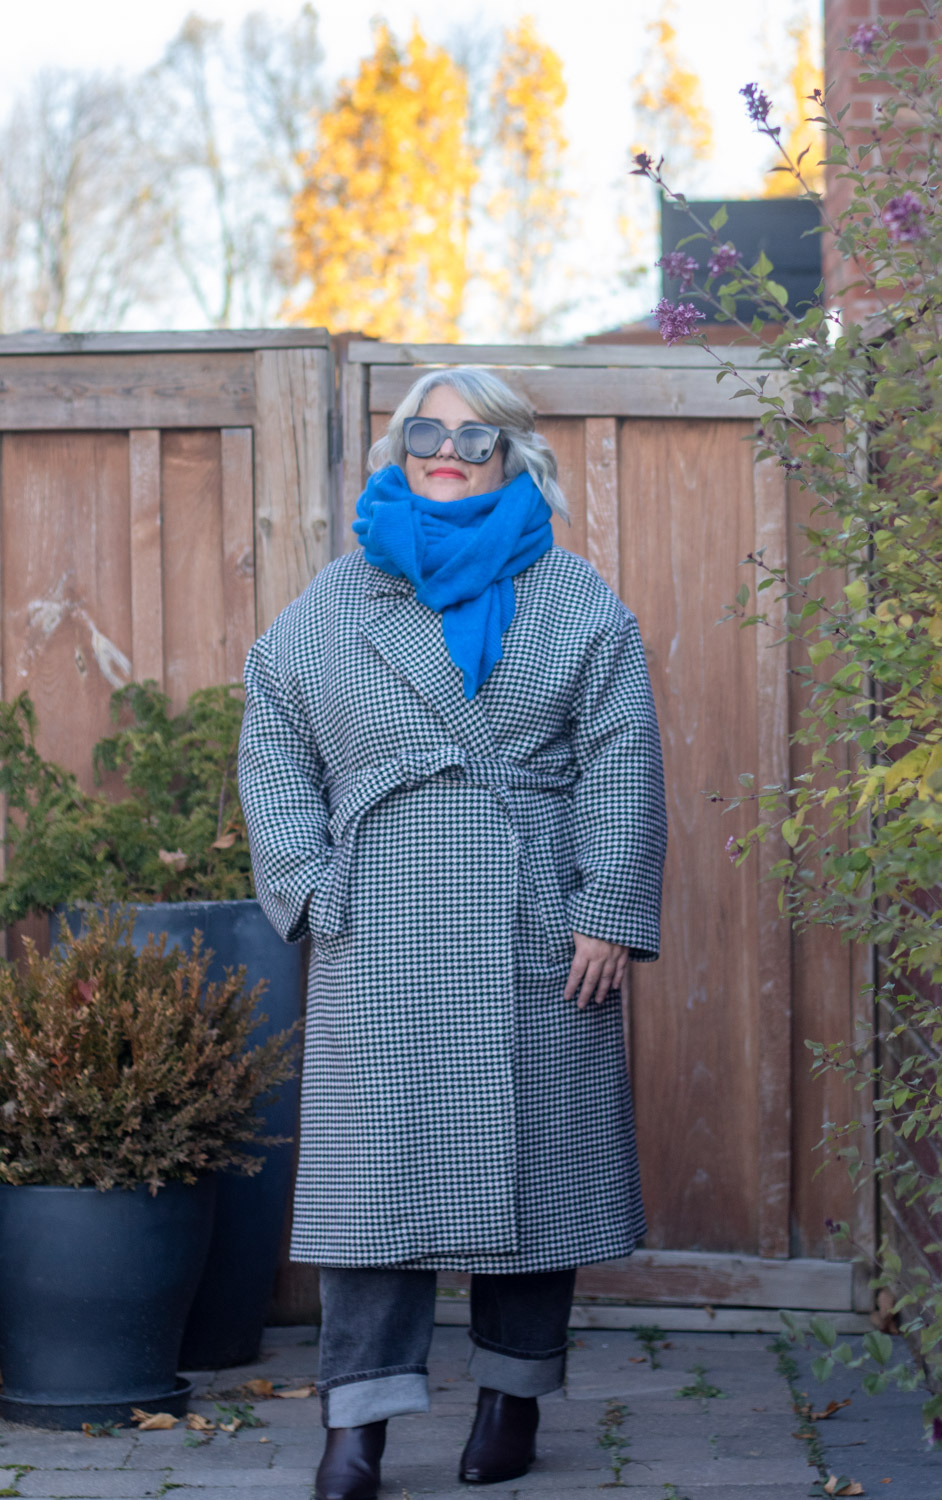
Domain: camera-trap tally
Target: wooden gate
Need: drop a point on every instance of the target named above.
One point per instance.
(162, 497)
(666, 502)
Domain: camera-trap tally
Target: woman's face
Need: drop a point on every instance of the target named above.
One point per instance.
(445, 476)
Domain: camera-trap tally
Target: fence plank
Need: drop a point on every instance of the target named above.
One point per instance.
(123, 391)
(292, 478)
(194, 596)
(601, 498)
(774, 938)
(356, 443)
(215, 340)
(584, 356)
(687, 517)
(595, 393)
(67, 631)
(147, 587)
(238, 547)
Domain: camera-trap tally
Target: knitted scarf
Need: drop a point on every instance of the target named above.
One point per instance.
(461, 555)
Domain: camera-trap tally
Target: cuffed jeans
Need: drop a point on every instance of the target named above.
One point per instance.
(376, 1331)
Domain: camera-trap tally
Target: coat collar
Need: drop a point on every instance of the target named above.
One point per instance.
(408, 636)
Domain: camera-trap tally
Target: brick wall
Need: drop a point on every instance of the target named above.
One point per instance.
(841, 70)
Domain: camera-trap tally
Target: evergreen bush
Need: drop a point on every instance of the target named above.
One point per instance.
(175, 832)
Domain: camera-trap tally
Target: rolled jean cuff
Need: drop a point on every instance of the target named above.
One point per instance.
(516, 1375)
(373, 1398)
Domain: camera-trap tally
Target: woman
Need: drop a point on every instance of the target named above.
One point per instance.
(451, 776)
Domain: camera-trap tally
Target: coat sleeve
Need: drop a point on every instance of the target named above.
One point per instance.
(281, 781)
(620, 822)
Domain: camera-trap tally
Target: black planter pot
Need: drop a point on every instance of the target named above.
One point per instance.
(228, 1314)
(95, 1290)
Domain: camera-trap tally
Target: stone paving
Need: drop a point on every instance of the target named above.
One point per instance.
(619, 1424)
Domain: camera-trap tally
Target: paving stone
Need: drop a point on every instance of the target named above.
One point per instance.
(242, 1479)
(98, 1484)
(64, 1450)
(262, 1492)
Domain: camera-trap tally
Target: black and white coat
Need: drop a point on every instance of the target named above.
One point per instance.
(457, 1112)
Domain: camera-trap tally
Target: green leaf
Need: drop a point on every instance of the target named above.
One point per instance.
(821, 1368)
(777, 292)
(824, 1331)
(879, 1346)
(762, 266)
(742, 594)
(719, 219)
(856, 593)
(821, 650)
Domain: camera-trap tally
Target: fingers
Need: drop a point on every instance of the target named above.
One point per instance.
(599, 978)
(597, 967)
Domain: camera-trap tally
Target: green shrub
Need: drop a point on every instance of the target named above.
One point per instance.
(118, 1068)
(854, 413)
(176, 832)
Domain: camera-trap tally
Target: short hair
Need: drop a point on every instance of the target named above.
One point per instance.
(494, 402)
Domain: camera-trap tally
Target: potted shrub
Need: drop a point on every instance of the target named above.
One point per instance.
(170, 841)
(127, 1082)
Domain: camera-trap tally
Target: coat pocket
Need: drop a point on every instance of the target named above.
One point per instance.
(547, 944)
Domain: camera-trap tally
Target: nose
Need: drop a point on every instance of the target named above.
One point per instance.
(447, 449)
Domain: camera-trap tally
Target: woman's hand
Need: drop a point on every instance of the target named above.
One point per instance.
(598, 966)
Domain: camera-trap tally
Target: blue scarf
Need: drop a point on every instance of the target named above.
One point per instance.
(461, 555)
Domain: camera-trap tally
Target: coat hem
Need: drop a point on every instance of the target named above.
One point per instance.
(554, 1260)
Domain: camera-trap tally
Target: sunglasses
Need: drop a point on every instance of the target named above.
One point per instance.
(474, 441)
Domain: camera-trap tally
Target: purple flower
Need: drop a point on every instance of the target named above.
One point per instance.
(865, 38)
(681, 267)
(758, 104)
(644, 162)
(904, 217)
(724, 257)
(817, 398)
(733, 848)
(677, 320)
(934, 1433)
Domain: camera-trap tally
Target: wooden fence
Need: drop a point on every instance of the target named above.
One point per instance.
(162, 497)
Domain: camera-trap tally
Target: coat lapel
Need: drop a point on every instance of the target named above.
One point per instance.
(408, 636)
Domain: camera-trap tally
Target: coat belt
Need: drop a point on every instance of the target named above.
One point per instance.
(411, 768)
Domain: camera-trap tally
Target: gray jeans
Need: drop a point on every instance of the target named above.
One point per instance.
(377, 1327)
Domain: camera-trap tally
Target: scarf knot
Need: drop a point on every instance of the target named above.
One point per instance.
(460, 555)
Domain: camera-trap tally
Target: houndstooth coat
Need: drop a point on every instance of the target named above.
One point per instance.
(456, 1111)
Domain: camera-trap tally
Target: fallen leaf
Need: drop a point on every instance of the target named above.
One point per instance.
(175, 857)
(232, 1426)
(847, 1487)
(261, 1388)
(829, 1410)
(226, 842)
(196, 1422)
(803, 1437)
(152, 1421)
(637, 1359)
(264, 1440)
(760, 1408)
(298, 1395)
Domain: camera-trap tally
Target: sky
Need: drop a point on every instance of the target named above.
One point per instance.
(601, 44)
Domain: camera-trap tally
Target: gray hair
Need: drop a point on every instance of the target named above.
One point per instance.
(492, 401)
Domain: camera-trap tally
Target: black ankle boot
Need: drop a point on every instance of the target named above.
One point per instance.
(349, 1469)
(502, 1444)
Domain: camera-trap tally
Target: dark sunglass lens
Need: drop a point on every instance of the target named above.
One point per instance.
(474, 444)
(423, 438)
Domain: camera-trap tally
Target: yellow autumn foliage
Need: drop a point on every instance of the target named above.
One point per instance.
(380, 226)
(669, 104)
(803, 135)
(531, 206)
